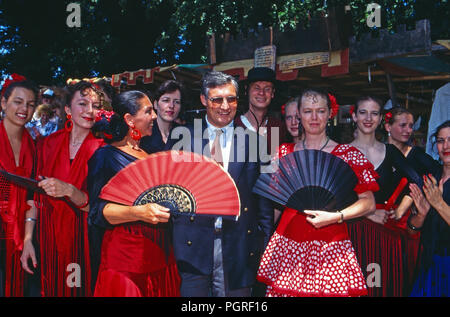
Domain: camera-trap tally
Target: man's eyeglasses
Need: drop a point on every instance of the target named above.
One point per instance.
(218, 101)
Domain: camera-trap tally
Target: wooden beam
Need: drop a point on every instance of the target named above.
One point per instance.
(422, 78)
(418, 100)
(212, 49)
(320, 85)
(354, 83)
(374, 89)
(391, 89)
(374, 73)
(341, 76)
(424, 91)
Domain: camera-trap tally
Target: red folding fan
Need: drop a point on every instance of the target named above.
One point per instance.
(186, 183)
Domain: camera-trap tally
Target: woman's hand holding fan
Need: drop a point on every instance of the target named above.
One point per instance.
(151, 213)
(184, 183)
(320, 218)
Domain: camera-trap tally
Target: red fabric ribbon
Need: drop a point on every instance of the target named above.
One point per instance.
(15, 78)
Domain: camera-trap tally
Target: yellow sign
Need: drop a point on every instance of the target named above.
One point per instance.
(291, 62)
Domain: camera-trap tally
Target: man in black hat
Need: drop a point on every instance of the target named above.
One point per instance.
(260, 84)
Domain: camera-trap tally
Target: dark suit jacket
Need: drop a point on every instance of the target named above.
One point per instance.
(243, 242)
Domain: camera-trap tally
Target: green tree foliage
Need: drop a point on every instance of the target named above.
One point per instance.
(119, 35)
(114, 36)
(193, 19)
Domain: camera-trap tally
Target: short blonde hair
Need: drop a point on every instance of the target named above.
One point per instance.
(44, 108)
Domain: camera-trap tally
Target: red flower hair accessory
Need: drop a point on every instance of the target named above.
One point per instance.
(103, 113)
(15, 78)
(334, 106)
(352, 109)
(388, 117)
(283, 109)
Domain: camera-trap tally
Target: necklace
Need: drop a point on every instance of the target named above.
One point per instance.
(134, 147)
(259, 124)
(304, 144)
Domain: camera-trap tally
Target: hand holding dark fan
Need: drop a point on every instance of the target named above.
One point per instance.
(186, 183)
(309, 180)
(32, 185)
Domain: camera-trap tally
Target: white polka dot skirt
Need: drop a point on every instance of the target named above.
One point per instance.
(311, 268)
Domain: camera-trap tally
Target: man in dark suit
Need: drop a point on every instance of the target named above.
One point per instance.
(216, 256)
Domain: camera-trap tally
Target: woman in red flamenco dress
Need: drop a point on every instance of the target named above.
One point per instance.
(17, 150)
(310, 254)
(62, 225)
(131, 248)
(377, 238)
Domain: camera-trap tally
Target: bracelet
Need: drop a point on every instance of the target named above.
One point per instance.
(30, 219)
(411, 226)
(85, 204)
(341, 220)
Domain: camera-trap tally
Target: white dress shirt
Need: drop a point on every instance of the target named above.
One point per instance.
(226, 140)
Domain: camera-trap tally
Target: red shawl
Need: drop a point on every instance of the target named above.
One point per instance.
(63, 230)
(12, 211)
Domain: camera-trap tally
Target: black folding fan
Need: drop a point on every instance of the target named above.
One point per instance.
(32, 185)
(28, 183)
(309, 180)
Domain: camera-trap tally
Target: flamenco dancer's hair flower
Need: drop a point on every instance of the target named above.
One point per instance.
(352, 109)
(388, 117)
(14, 79)
(334, 106)
(104, 114)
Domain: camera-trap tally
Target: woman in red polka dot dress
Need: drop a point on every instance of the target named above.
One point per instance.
(310, 253)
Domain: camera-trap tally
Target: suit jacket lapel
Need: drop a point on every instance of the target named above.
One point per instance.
(200, 146)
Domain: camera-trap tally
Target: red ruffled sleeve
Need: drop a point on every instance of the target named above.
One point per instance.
(362, 167)
(285, 149)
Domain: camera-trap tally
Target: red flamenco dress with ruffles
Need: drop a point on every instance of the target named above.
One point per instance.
(13, 205)
(301, 260)
(62, 230)
(390, 245)
(132, 259)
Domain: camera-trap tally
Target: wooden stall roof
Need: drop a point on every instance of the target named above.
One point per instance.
(371, 79)
(405, 65)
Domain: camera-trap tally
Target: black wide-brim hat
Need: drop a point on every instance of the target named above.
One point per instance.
(261, 74)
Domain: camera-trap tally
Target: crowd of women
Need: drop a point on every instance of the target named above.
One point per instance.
(405, 233)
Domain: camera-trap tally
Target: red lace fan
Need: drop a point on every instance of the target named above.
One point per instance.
(186, 183)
